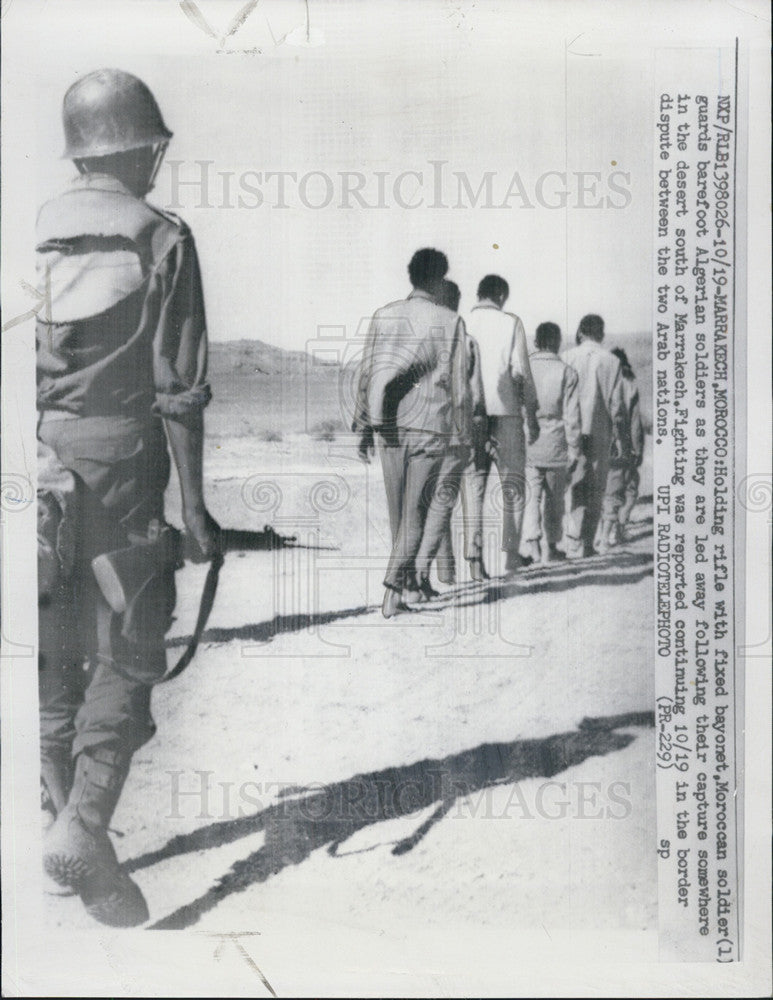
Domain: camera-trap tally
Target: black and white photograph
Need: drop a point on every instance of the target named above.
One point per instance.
(386, 498)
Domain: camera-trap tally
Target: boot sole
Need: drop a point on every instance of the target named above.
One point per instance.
(67, 871)
(113, 900)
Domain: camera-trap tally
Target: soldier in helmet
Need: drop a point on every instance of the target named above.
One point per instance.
(121, 372)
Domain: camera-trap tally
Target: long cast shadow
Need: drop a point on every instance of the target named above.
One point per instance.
(605, 571)
(279, 624)
(612, 570)
(631, 568)
(304, 820)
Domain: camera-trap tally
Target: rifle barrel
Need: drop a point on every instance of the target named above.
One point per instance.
(244, 540)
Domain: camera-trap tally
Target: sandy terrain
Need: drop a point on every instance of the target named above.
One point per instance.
(370, 776)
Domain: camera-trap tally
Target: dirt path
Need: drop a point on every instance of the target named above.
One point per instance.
(320, 765)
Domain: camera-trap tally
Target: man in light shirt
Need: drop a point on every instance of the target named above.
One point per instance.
(557, 449)
(411, 395)
(509, 395)
(604, 420)
(464, 458)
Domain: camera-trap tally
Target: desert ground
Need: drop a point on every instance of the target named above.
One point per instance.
(483, 762)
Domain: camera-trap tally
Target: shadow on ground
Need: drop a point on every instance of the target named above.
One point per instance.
(304, 820)
(613, 569)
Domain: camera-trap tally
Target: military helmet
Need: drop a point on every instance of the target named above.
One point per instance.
(109, 111)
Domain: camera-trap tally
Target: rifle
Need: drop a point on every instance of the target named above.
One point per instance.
(231, 540)
(242, 540)
(125, 576)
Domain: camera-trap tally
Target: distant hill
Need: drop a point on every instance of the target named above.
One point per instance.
(264, 390)
(232, 358)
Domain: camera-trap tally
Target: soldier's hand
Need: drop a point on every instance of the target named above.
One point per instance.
(533, 433)
(365, 448)
(274, 540)
(205, 531)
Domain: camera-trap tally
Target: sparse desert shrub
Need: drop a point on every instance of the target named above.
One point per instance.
(324, 430)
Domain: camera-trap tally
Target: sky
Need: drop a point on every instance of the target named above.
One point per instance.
(389, 88)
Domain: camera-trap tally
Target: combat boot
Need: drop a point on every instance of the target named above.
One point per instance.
(55, 780)
(77, 850)
(55, 783)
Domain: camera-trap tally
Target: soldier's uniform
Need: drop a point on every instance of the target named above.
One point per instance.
(623, 476)
(121, 344)
(510, 397)
(604, 419)
(547, 458)
(412, 390)
(461, 471)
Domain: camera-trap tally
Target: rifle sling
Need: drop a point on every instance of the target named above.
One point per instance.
(205, 606)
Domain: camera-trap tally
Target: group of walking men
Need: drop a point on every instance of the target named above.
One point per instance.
(443, 399)
(121, 382)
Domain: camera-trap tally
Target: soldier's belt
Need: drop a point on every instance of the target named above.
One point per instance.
(53, 416)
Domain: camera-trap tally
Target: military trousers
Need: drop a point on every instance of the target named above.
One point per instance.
(508, 453)
(587, 498)
(410, 461)
(544, 515)
(622, 490)
(94, 683)
(436, 541)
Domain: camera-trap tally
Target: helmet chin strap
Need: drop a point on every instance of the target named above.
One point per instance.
(139, 181)
(160, 150)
